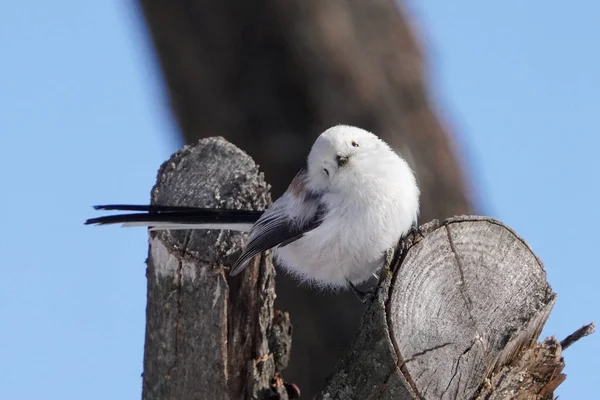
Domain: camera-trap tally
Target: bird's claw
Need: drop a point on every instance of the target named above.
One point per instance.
(416, 231)
(364, 296)
(414, 235)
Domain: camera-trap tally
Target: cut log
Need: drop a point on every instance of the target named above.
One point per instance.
(269, 76)
(467, 300)
(457, 315)
(208, 336)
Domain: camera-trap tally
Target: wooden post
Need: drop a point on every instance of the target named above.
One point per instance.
(207, 336)
(270, 75)
(467, 301)
(456, 316)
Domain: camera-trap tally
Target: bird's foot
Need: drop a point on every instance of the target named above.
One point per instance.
(364, 296)
(414, 235)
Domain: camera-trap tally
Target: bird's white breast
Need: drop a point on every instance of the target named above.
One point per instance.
(357, 229)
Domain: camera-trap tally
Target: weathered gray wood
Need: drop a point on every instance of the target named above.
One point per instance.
(457, 318)
(270, 75)
(208, 336)
(534, 375)
(465, 301)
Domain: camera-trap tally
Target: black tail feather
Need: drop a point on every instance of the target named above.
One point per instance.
(173, 214)
(148, 208)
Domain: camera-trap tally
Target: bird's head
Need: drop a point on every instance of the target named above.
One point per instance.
(341, 155)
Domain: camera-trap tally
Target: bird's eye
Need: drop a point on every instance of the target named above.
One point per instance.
(326, 171)
(354, 144)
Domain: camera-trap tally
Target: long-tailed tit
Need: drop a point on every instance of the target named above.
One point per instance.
(355, 199)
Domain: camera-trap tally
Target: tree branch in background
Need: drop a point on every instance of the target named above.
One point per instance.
(269, 76)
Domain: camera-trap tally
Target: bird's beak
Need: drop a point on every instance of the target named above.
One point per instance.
(341, 160)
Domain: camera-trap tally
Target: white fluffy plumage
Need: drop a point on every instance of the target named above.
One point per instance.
(369, 203)
(355, 199)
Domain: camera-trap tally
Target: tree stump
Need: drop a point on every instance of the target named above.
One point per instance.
(208, 336)
(270, 75)
(463, 302)
(456, 315)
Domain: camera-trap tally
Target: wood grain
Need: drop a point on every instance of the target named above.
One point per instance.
(457, 314)
(270, 75)
(208, 336)
(466, 301)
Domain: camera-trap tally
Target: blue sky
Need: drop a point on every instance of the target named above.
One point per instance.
(83, 120)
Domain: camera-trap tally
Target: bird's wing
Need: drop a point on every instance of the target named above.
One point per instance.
(294, 214)
(275, 230)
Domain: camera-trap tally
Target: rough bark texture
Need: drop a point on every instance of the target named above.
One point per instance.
(208, 336)
(270, 75)
(456, 316)
(459, 317)
(534, 375)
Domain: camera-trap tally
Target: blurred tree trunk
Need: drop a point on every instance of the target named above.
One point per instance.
(270, 76)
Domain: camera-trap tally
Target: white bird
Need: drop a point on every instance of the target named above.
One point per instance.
(332, 227)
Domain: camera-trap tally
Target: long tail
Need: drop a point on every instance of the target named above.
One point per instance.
(175, 217)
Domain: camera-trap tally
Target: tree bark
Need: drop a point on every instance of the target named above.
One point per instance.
(208, 336)
(269, 76)
(463, 308)
(456, 315)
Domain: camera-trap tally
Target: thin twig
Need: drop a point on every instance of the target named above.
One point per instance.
(578, 334)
